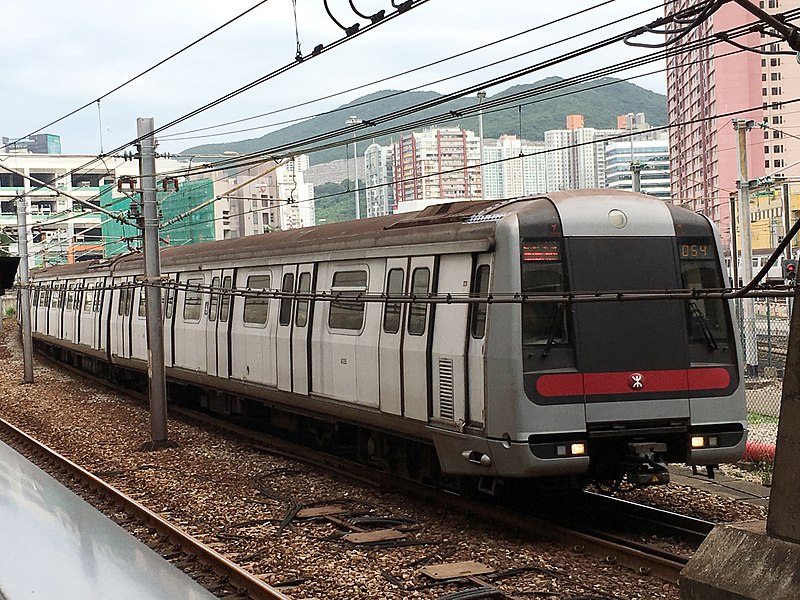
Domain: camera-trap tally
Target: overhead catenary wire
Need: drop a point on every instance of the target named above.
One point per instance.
(405, 7)
(301, 146)
(177, 135)
(139, 75)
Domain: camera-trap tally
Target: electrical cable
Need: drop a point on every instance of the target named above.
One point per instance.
(175, 136)
(145, 72)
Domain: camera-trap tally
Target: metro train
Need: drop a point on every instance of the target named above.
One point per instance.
(485, 392)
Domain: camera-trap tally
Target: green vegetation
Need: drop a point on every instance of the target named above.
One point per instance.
(336, 202)
(600, 106)
(10, 313)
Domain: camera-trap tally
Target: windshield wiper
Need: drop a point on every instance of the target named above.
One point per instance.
(702, 322)
(555, 322)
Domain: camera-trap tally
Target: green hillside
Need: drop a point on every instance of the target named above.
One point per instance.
(600, 107)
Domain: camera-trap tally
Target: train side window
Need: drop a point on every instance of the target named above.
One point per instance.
(477, 322)
(285, 315)
(88, 299)
(56, 297)
(70, 297)
(128, 301)
(256, 307)
(301, 311)
(121, 303)
(225, 303)
(542, 274)
(348, 314)
(213, 305)
(418, 311)
(392, 310)
(142, 312)
(46, 296)
(193, 301)
(35, 297)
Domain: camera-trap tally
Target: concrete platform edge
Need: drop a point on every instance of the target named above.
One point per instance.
(741, 562)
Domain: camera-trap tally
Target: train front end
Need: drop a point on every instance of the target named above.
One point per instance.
(611, 390)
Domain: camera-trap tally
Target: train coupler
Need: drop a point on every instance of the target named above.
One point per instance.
(644, 464)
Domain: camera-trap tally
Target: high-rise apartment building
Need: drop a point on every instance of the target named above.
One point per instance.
(708, 87)
(435, 166)
(575, 156)
(378, 178)
(513, 168)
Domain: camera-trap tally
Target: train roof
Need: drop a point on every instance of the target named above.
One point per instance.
(454, 222)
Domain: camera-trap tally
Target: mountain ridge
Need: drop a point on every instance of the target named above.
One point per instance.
(600, 102)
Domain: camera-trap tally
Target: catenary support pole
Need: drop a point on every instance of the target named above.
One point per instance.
(25, 291)
(748, 307)
(152, 280)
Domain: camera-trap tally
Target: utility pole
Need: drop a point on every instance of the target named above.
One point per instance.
(636, 174)
(152, 282)
(25, 291)
(481, 96)
(741, 126)
(355, 121)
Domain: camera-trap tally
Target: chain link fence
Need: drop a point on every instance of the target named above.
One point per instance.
(764, 343)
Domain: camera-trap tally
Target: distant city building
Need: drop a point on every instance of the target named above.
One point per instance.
(575, 156)
(435, 166)
(276, 198)
(378, 180)
(653, 159)
(507, 174)
(39, 143)
(62, 229)
(711, 81)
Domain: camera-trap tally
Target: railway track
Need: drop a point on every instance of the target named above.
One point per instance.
(210, 569)
(612, 548)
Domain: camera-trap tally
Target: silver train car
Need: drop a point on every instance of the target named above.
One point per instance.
(487, 392)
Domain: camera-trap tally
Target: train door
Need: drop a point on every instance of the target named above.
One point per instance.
(476, 344)
(68, 312)
(86, 332)
(190, 328)
(139, 324)
(121, 317)
(224, 325)
(391, 336)
(284, 335)
(213, 357)
(449, 341)
(54, 314)
(218, 309)
(301, 369)
(102, 309)
(416, 343)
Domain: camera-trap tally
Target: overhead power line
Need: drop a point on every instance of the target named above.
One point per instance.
(142, 74)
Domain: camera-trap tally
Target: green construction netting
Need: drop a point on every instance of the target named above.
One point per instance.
(197, 227)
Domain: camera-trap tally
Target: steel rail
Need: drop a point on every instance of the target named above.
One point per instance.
(257, 589)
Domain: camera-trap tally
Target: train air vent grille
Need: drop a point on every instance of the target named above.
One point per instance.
(446, 388)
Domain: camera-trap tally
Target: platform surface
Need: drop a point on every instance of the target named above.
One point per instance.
(53, 545)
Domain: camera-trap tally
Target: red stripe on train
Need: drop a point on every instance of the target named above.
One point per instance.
(595, 384)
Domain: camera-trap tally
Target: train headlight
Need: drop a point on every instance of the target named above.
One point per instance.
(578, 449)
(698, 441)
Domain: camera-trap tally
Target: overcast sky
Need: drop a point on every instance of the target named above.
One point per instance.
(59, 55)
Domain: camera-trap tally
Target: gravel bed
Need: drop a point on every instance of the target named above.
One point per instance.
(235, 499)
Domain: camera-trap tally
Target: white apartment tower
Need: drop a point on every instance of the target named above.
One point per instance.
(378, 180)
